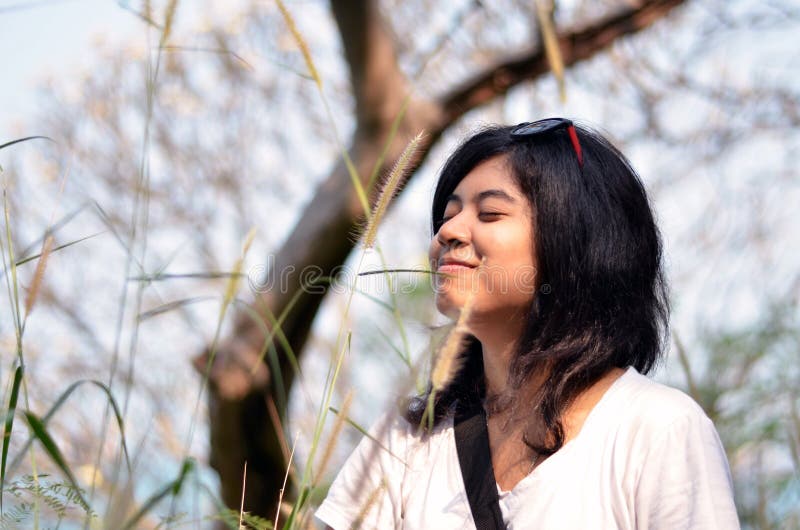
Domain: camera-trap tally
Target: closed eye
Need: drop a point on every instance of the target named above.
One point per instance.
(490, 216)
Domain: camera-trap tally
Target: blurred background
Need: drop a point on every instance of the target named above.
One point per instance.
(181, 251)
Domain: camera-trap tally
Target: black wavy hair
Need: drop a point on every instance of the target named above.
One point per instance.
(601, 298)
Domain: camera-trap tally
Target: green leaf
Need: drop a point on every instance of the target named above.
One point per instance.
(9, 424)
(301, 500)
(62, 399)
(40, 431)
(56, 249)
(173, 488)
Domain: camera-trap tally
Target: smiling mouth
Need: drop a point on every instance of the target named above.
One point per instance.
(454, 267)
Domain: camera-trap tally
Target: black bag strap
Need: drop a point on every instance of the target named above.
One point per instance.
(475, 459)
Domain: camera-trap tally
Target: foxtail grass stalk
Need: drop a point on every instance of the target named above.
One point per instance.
(369, 503)
(390, 190)
(343, 346)
(169, 18)
(449, 360)
(230, 292)
(335, 432)
(312, 69)
(38, 275)
(301, 43)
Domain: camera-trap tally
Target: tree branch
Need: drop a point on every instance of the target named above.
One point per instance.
(576, 46)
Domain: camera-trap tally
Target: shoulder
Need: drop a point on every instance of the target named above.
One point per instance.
(653, 407)
(647, 419)
(369, 488)
(680, 472)
(675, 467)
(392, 442)
(393, 429)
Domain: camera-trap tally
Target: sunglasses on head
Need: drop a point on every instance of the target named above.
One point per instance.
(532, 129)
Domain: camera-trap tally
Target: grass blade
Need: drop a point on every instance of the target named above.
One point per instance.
(210, 275)
(376, 170)
(363, 430)
(169, 306)
(26, 259)
(11, 280)
(312, 70)
(173, 488)
(62, 399)
(39, 430)
(9, 424)
(301, 500)
(20, 140)
(54, 227)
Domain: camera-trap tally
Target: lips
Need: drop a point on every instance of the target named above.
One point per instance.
(449, 264)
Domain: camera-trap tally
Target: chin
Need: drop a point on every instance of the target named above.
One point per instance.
(448, 305)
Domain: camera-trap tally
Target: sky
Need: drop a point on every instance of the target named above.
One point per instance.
(50, 38)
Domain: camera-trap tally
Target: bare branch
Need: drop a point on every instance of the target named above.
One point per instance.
(576, 46)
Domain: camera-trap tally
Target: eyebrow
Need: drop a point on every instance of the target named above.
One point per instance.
(486, 194)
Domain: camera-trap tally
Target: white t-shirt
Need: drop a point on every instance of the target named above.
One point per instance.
(647, 457)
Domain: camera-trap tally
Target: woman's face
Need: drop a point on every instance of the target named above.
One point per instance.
(488, 222)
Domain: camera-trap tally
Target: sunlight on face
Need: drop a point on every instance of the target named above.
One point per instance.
(485, 244)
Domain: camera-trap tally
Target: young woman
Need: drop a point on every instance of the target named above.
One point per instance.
(546, 229)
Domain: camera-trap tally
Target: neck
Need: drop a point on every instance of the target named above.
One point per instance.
(498, 342)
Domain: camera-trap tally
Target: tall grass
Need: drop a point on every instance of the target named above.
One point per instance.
(46, 500)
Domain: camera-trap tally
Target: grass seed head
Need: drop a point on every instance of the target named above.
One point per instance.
(390, 189)
(33, 292)
(450, 360)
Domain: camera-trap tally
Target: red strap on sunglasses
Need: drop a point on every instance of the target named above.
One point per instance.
(573, 135)
(529, 130)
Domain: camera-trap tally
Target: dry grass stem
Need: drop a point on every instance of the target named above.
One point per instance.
(244, 484)
(373, 496)
(390, 190)
(449, 360)
(235, 279)
(341, 418)
(285, 479)
(544, 12)
(275, 418)
(38, 275)
(301, 43)
(169, 18)
(687, 368)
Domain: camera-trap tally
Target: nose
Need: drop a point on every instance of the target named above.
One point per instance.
(453, 232)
